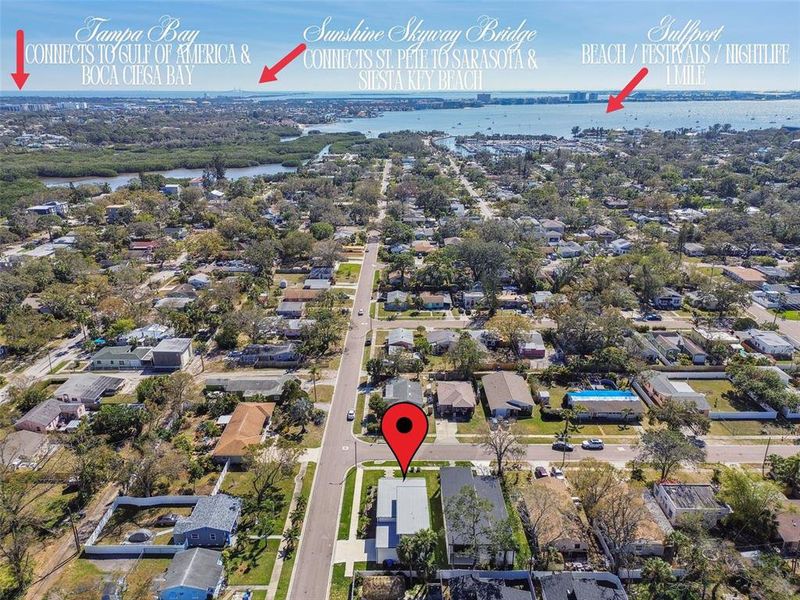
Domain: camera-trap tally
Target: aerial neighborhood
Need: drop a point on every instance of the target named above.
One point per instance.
(195, 369)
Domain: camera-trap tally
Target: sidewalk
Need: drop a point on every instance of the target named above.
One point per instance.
(272, 587)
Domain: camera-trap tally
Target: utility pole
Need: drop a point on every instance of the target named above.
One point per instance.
(766, 453)
(74, 534)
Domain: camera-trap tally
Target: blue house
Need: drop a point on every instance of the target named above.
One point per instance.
(211, 524)
(194, 574)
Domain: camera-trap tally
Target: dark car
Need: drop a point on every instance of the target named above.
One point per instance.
(562, 446)
(540, 472)
(167, 520)
(653, 317)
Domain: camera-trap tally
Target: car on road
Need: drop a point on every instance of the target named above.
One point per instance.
(563, 446)
(351, 415)
(653, 317)
(699, 442)
(540, 472)
(360, 311)
(557, 473)
(593, 444)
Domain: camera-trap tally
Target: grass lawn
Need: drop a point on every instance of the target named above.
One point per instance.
(791, 315)
(360, 402)
(535, 425)
(340, 585)
(721, 395)
(737, 428)
(257, 568)
(140, 578)
(324, 393)
(238, 483)
(408, 314)
(435, 507)
(477, 424)
(347, 505)
(348, 272)
(371, 477)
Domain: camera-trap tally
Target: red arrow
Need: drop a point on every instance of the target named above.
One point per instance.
(615, 102)
(20, 77)
(268, 74)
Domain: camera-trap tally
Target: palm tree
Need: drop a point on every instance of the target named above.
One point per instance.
(313, 370)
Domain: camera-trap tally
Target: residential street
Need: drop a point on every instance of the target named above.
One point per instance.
(340, 450)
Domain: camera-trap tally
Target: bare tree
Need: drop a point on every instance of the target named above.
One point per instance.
(18, 524)
(618, 516)
(505, 447)
(268, 465)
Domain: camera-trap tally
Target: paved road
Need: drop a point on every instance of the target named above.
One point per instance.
(313, 565)
(761, 314)
(483, 205)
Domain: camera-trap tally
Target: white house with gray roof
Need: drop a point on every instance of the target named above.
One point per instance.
(402, 509)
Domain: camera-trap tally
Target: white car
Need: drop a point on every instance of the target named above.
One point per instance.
(593, 444)
(351, 415)
(360, 311)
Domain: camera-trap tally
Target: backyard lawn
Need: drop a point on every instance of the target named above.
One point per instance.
(348, 272)
(721, 395)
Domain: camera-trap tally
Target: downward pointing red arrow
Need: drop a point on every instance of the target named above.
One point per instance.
(615, 102)
(268, 74)
(20, 76)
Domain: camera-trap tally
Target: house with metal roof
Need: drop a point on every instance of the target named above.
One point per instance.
(212, 523)
(402, 509)
(460, 552)
(194, 574)
(494, 585)
(88, 388)
(148, 335)
(172, 354)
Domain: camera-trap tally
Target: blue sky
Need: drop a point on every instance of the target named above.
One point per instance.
(272, 28)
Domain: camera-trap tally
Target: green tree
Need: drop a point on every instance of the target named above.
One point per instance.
(666, 449)
(658, 577)
(465, 356)
(754, 502)
(468, 514)
(418, 552)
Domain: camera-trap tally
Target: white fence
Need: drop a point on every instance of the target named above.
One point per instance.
(133, 550)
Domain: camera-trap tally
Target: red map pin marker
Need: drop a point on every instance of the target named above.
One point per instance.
(404, 427)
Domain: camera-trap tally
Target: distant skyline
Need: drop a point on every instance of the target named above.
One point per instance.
(272, 28)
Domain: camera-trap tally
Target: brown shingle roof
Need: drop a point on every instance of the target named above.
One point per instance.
(506, 390)
(458, 394)
(244, 429)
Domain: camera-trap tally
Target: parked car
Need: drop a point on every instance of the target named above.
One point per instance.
(556, 472)
(368, 342)
(351, 415)
(593, 444)
(699, 442)
(563, 446)
(167, 520)
(540, 472)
